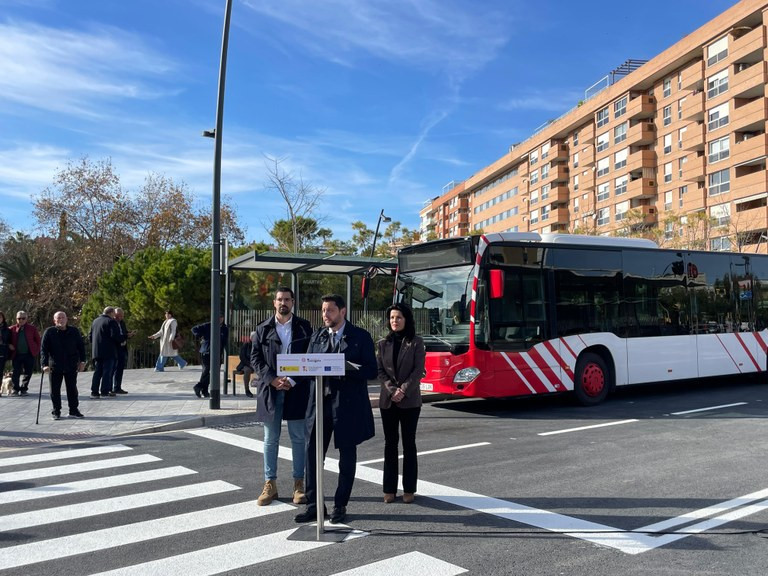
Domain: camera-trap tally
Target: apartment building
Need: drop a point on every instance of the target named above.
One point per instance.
(675, 150)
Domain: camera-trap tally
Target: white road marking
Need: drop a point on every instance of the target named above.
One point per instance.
(377, 460)
(62, 455)
(225, 557)
(92, 484)
(627, 541)
(76, 468)
(57, 548)
(109, 505)
(580, 428)
(709, 408)
(412, 563)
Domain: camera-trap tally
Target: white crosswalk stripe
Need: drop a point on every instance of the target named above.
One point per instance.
(108, 473)
(108, 505)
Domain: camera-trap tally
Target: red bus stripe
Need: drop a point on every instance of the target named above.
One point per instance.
(571, 350)
(747, 350)
(759, 338)
(528, 373)
(546, 369)
(556, 355)
(729, 353)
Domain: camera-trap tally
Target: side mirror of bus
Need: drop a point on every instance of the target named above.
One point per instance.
(497, 283)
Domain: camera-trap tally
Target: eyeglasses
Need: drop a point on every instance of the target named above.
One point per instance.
(21, 317)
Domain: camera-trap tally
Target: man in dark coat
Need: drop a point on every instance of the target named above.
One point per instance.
(203, 332)
(278, 397)
(25, 346)
(347, 413)
(105, 340)
(122, 353)
(62, 357)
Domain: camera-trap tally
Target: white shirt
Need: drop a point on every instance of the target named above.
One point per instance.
(285, 333)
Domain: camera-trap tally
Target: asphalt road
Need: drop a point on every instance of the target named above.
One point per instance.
(661, 480)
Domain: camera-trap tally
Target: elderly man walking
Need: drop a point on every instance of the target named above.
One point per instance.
(62, 357)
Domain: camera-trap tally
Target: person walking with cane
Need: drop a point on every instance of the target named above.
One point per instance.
(62, 356)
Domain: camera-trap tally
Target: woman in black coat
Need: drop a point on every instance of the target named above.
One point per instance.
(401, 366)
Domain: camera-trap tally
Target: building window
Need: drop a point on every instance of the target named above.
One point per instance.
(534, 216)
(669, 230)
(717, 84)
(719, 182)
(545, 191)
(576, 160)
(603, 166)
(681, 195)
(576, 183)
(721, 214)
(667, 115)
(679, 81)
(603, 117)
(534, 177)
(667, 200)
(680, 134)
(603, 141)
(680, 163)
(620, 133)
(722, 244)
(680, 108)
(621, 211)
(545, 213)
(717, 117)
(667, 87)
(603, 216)
(534, 157)
(668, 172)
(545, 150)
(603, 191)
(620, 159)
(717, 51)
(575, 138)
(544, 172)
(620, 107)
(667, 143)
(719, 149)
(575, 204)
(620, 185)
(534, 197)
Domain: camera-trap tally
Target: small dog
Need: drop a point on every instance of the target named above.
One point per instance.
(7, 386)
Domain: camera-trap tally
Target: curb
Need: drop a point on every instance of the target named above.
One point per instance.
(194, 422)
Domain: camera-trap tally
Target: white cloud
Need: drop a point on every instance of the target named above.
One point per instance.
(76, 71)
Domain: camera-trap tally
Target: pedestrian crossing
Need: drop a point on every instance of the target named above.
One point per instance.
(46, 520)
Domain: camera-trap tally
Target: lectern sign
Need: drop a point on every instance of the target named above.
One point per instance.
(310, 364)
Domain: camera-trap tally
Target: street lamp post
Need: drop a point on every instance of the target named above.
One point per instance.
(383, 218)
(215, 402)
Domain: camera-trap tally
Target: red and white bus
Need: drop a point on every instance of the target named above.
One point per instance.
(519, 314)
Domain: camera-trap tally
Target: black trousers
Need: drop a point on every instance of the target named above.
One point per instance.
(117, 374)
(70, 382)
(22, 364)
(205, 377)
(347, 466)
(393, 421)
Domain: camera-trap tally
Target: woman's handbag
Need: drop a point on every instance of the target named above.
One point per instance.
(178, 342)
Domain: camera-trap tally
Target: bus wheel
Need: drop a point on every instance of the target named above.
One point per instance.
(591, 382)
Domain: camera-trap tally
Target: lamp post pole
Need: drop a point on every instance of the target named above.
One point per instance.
(373, 250)
(215, 402)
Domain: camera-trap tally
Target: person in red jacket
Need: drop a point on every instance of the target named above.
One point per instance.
(25, 346)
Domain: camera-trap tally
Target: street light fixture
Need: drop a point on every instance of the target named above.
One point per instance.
(367, 277)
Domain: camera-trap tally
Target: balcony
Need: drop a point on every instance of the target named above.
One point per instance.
(694, 199)
(641, 159)
(693, 138)
(559, 216)
(693, 169)
(752, 149)
(641, 188)
(693, 107)
(693, 76)
(559, 193)
(587, 157)
(750, 116)
(558, 151)
(643, 106)
(647, 213)
(749, 47)
(586, 134)
(751, 218)
(749, 82)
(586, 181)
(641, 134)
(557, 173)
(753, 183)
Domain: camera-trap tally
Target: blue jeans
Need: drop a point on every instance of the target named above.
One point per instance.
(296, 430)
(161, 360)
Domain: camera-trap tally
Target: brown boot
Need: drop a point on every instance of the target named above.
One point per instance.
(388, 498)
(408, 497)
(298, 492)
(268, 494)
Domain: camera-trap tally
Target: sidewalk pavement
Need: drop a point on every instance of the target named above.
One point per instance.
(156, 402)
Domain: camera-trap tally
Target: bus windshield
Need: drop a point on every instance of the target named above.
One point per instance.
(440, 300)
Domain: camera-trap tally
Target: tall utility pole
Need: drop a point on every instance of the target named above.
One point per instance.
(215, 402)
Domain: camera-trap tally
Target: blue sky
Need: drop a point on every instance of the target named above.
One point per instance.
(380, 102)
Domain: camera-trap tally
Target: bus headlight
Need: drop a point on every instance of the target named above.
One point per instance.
(466, 375)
